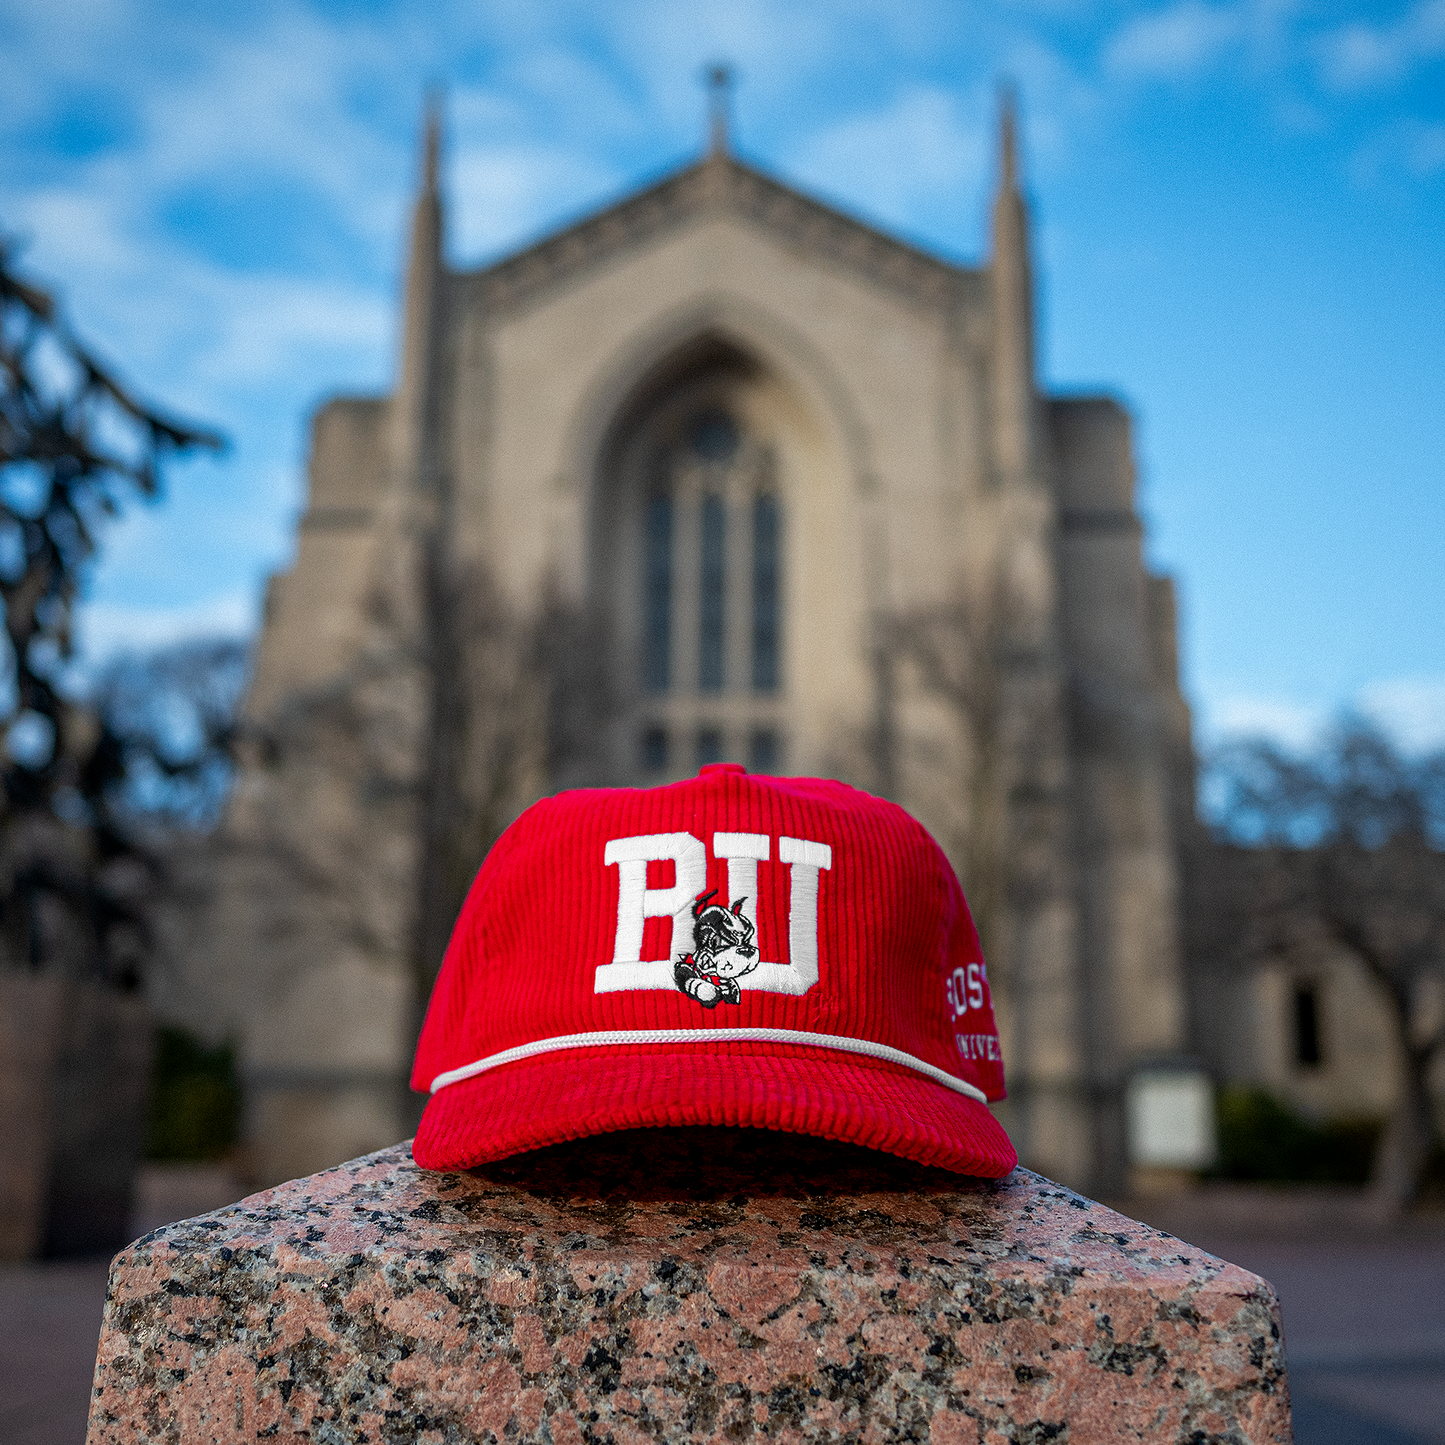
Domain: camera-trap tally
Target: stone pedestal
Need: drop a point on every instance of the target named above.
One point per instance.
(690, 1284)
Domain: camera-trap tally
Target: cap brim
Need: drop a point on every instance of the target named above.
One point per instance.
(574, 1093)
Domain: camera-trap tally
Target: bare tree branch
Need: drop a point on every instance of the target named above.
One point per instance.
(1349, 857)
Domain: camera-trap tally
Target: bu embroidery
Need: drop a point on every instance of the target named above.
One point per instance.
(714, 953)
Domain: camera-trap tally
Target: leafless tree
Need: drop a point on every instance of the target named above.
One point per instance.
(171, 718)
(983, 774)
(329, 853)
(485, 722)
(521, 701)
(1349, 855)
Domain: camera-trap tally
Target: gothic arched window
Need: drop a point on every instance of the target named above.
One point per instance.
(711, 597)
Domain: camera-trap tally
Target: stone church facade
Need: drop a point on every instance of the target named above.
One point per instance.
(800, 482)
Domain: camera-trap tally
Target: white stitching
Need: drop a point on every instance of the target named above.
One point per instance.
(715, 1036)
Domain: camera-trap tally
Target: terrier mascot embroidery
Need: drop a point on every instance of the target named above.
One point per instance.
(722, 952)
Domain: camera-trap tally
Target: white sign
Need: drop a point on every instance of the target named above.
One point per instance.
(1171, 1119)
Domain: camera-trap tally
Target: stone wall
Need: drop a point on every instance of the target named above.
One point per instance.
(74, 1084)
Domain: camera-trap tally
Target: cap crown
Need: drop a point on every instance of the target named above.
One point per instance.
(720, 904)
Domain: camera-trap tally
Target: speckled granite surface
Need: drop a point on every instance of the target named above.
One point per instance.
(689, 1284)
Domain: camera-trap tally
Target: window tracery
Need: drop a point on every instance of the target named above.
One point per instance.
(711, 597)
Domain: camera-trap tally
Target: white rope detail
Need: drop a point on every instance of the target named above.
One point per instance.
(714, 1036)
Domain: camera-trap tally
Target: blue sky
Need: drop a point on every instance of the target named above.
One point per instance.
(1240, 229)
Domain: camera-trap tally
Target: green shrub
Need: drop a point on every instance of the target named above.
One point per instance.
(1261, 1139)
(1347, 1152)
(195, 1111)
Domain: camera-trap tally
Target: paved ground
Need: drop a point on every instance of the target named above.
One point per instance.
(50, 1316)
(1365, 1336)
(49, 1323)
(1364, 1307)
(1364, 1311)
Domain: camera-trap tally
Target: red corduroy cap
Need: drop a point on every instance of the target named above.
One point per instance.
(781, 953)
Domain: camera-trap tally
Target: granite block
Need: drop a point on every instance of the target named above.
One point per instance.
(681, 1284)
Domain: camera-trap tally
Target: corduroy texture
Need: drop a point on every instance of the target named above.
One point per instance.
(898, 964)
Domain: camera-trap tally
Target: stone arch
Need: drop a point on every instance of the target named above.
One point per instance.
(793, 360)
(808, 450)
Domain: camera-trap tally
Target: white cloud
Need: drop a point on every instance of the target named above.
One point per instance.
(1295, 725)
(276, 103)
(169, 311)
(500, 195)
(773, 44)
(223, 110)
(1412, 709)
(1356, 56)
(567, 84)
(43, 45)
(1167, 44)
(105, 630)
(924, 143)
(272, 324)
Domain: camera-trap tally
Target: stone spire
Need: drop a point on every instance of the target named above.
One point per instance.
(719, 98)
(416, 377)
(1011, 285)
